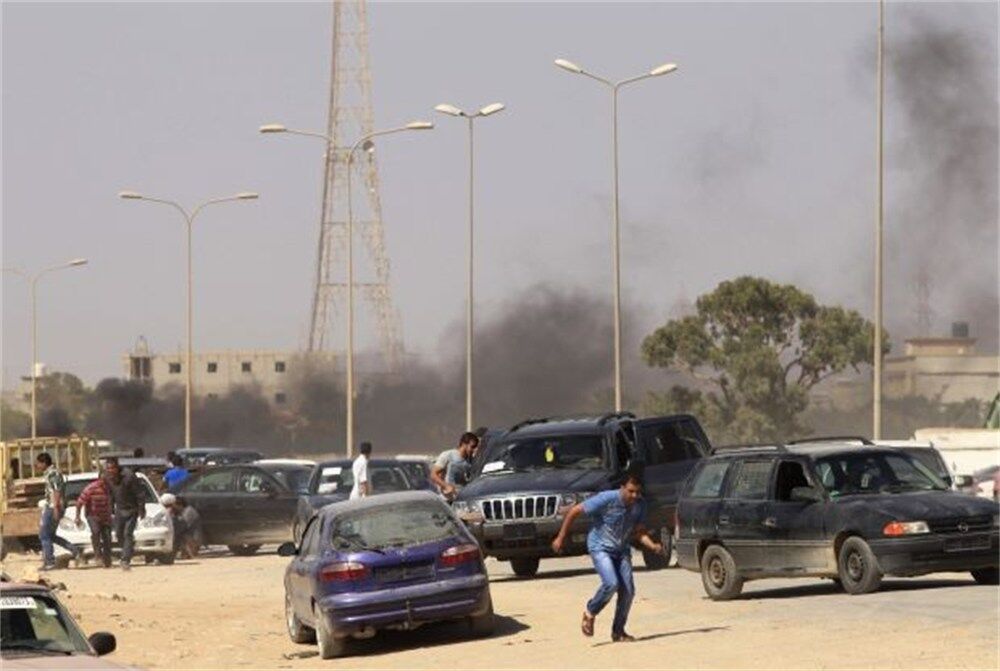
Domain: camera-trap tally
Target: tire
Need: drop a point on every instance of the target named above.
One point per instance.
(987, 576)
(167, 559)
(655, 561)
(857, 567)
(481, 626)
(243, 550)
(718, 574)
(525, 567)
(329, 645)
(298, 632)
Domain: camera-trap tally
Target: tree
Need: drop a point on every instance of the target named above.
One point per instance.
(759, 347)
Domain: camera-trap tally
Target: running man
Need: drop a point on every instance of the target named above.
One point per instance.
(617, 517)
(453, 467)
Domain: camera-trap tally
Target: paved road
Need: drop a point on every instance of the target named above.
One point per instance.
(225, 612)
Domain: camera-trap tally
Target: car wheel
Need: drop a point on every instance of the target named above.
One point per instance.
(525, 567)
(987, 576)
(858, 568)
(167, 559)
(243, 550)
(329, 645)
(298, 632)
(482, 625)
(719, 575)
(656, 561)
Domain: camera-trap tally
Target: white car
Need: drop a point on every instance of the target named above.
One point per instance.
(154, 534)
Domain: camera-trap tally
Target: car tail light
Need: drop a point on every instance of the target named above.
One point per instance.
(905, 528)
(460, 554)
(343, 572)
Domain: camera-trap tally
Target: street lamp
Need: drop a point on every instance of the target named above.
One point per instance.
(451, 110)
(658, 71)
(33, 280)
(879, 212)
(189, 218)
(364, 140)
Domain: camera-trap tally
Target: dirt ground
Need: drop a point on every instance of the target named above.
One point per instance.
(221, 611)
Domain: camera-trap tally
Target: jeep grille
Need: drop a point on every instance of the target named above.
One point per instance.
(520, 507)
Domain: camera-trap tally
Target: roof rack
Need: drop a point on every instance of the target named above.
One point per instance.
(829, 439)
(621, 414)
(749, 447)
(528, 422)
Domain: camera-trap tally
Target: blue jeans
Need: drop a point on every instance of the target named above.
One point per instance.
(125, 533)
(615, 570)
(47, 535)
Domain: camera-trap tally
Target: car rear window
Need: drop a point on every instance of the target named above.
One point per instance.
(708, 482)
(752, 480)
(390, 526)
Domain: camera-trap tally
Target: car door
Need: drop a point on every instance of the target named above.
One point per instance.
(698, 509)
(264, 507)
(211, 493)
(795, 529)
(300, 575)
(669, 447)
(742, 514)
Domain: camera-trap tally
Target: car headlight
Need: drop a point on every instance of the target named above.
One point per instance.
(68, 524)
(905, 528)
(157, 520)
(460, 506)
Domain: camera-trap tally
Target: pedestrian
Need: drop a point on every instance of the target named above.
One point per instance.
(616, 519)
(176, 474)
(95, 500)
(187, 525)
(52, 512)
(129, 498)
(362, 487)
(453, 467)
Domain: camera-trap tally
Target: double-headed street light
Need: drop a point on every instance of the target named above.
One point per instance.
(189, 218)
(33, 281)
(451, 110)
(364, 140)
(664, 69)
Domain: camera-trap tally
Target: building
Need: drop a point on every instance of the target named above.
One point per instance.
(949, 369)
(217, 373)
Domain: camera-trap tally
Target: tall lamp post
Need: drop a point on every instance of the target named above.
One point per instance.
(189, 218)
(364, 140)
(664, 69)
(451, 110)
(877, 340)
(33, 280)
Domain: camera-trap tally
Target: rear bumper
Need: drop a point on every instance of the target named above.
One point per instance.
(407, 606)
(928, 554)
(687, 553)
(151, 540)
(528, 538)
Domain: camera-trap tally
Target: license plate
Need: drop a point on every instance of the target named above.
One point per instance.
(965, 544)
(400, 573)
(513, 532)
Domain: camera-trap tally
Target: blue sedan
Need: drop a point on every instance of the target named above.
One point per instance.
(395, 561)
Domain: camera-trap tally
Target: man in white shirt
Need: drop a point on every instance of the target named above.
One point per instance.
(362, 487)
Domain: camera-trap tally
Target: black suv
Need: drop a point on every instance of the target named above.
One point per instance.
(838, 511)
(525, 480)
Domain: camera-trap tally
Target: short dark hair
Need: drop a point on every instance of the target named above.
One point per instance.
(108, 461)
(176, 460)
(468, 437)
(44, 458)
(366, 448)
(635, 473)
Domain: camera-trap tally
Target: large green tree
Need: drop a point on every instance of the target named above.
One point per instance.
(758, 347)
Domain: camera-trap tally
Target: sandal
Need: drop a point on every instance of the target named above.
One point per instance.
(587, 625)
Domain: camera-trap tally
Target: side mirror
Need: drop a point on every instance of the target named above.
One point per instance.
(102, 642)
(806, 495)
(287, 549)
(963, 481)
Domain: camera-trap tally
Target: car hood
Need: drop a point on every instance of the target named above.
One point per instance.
(551, 480)
(922, 505)
(82, 662)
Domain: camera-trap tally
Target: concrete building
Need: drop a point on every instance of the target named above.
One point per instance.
(947, 368)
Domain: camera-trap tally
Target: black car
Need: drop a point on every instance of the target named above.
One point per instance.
(828, 510)
(527, 478)
(244, 506)
(332, 481)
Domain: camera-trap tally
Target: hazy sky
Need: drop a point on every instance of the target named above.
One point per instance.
(757, 156)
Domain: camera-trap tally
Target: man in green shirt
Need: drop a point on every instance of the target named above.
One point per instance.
(55, 506)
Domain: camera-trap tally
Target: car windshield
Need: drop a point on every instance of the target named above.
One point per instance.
(930, 458)
(528, 454)
(339, 478)
(296, 478)
(36, 624)
(393, 526)
(75, 487)
(866, 472)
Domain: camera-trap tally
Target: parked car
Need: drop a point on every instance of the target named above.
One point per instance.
(154, 534)
(332, 481)
(216, 456)
(385, 562)
(37, 632)
(984, 482)
(244, 506)
(531, 475)
(831, 511)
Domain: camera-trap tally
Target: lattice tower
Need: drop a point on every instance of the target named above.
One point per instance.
(350, 117)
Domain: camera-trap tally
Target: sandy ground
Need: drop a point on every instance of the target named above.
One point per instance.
(221, 611)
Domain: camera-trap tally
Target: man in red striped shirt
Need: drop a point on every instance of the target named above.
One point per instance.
(95, 499)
